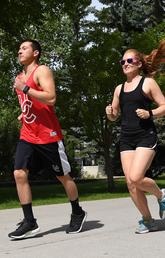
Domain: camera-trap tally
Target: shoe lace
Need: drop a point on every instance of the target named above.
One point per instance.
(21, 222)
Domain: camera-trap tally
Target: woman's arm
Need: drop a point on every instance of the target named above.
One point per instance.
(112, 110)
(153, 91)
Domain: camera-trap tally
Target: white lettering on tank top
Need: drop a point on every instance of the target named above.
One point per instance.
(26, 106)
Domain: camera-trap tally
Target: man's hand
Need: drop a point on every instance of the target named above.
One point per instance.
(19, 84)
(20, 117)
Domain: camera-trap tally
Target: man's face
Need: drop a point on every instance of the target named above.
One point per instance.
(26, 53)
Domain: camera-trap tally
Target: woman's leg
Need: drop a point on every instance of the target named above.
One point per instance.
(137, 195)
(141, 162)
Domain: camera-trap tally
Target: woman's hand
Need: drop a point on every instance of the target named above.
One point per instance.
(109, 110)
(142, 113)
(110, 113)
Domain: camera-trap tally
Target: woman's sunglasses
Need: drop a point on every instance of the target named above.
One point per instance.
(129, 61)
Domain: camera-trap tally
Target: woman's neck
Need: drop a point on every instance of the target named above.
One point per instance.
(132, 77)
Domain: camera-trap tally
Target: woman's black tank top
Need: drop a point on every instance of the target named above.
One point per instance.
(129, 102)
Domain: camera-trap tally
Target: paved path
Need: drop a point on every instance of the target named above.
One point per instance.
(107, 233)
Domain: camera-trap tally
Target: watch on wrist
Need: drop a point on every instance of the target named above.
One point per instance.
(150, 113)
(25, 89)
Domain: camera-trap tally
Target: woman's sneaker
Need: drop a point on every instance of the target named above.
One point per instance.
(25, 229)
(76, 223)
(162, 205)
(146, 226)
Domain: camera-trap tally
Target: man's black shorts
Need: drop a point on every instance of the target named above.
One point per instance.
(51, 155)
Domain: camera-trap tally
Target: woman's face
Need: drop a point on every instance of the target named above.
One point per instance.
(130, 63)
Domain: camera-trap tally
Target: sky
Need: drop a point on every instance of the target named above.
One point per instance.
(97, 4)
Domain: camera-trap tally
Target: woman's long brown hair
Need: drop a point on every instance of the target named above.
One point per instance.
(152, 63)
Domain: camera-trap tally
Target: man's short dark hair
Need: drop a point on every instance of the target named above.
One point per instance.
(35, 46)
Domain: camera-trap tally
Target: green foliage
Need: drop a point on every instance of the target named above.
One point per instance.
(128, 15)
(84, 56)
(17, 15)
(53, 194)
(9, 132)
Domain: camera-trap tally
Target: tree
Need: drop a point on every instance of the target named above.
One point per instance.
(48, 22)
(84, 56)
(15, 25)
(94, 75)
(127, 15)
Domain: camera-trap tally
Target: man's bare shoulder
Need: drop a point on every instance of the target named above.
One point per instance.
(43, 71)
(43, 68)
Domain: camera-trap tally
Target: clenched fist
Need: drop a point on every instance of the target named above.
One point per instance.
(142, 113)
(109, 110)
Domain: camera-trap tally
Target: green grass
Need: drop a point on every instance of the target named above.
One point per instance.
(54, 193)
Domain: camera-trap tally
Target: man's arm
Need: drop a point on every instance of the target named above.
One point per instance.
(44, 78)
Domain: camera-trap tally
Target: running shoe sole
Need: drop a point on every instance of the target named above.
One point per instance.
(29, 234)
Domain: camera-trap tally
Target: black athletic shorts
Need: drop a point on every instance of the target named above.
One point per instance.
(51, 156)
(131, 141)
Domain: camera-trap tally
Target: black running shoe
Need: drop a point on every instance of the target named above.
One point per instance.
(20, 222)
(25, 230)
(76, 223)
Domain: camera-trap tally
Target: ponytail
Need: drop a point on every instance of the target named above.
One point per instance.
(153, 63)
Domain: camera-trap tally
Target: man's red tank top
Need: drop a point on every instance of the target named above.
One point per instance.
(39, 121)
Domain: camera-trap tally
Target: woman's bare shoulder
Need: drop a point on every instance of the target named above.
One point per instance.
(118, 89)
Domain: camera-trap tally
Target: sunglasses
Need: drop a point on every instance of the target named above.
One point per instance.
(129, 61)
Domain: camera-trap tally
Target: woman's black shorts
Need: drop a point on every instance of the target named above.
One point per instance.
(132, 140)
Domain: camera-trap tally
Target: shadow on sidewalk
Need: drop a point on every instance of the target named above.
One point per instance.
(88, 225)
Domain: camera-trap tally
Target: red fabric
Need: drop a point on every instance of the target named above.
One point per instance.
(40, 124)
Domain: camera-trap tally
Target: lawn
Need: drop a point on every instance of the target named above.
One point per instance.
(54, 193)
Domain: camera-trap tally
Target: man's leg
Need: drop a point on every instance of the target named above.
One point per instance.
(24, 193)
(78, 215)
(28, 227)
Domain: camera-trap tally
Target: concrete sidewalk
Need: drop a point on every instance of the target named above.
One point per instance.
(108, 232)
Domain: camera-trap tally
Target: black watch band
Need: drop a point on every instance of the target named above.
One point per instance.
(151, 114)
(26, 89)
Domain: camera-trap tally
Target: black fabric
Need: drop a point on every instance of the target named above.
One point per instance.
(147, 139)
(38, 157)
(129, 102)
(76, 209)
(28, 213)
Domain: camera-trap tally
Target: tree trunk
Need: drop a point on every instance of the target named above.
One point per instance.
(109, 171)
(108, 160)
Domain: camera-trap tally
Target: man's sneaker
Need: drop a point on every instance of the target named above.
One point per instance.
(162, 205)
(20, 222)
(25, 230)
(76, 223)
(146, 226)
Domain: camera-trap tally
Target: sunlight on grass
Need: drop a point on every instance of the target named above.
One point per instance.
(55, 194)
